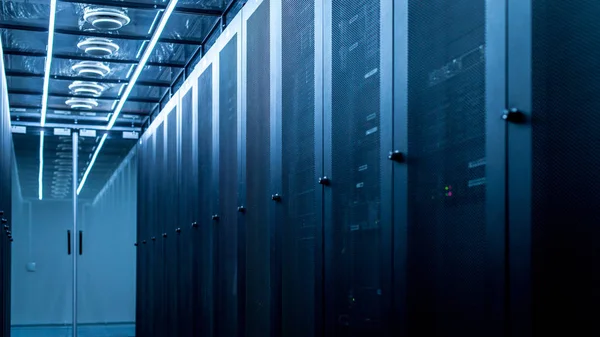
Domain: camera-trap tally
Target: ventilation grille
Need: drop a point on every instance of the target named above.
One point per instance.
(82, 103)
(86, 88)
(106, 18)
(91, 69)
(98, 46)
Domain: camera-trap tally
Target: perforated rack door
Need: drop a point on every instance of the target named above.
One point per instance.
(203, 236)
(227, 232)
(258, 170)
(564, 126)
(301, 214)
(446, 168)
(188, 200)
(357, 233)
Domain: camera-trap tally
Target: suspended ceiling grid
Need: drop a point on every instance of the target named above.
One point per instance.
(191, 29)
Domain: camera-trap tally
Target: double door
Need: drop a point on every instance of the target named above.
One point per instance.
(73, 259)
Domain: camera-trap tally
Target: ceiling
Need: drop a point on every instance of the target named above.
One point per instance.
(189, 33)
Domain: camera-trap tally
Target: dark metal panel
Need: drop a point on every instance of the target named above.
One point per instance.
(275, 162)
(171, 221)
(358, 231)
(558, 145)
(203, 244)
(188, 201)
(400, 170)
(227, 271)
(496, 273)
(519, 167)
(256, 112)
(301, 165)
(446, 168)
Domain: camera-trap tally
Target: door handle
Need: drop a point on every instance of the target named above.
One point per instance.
(80, 242)
(69, 242)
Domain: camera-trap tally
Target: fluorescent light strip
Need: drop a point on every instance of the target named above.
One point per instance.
(130, 70)
(48, 64)
(137, 56)
(51, 21)
(89, 168)
(154, 22)
(143, 60)
(136, 74)
(40, 180)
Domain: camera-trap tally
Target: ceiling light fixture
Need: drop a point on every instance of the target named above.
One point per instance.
(91, 69)
(49, 49)
(86, 88)
(81, 103)
(136, 74)
(98, 46)
(106, 18)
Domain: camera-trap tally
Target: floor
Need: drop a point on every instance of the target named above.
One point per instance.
(113, 330)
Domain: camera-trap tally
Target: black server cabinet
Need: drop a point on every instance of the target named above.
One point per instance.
(230, 231)
(357, 142)
(203, 262)
(301, 125)
(261, 279)
(171, 200)
(448, 254)
(158, 244)
(141, 254)
(553, 160)
(188, 196)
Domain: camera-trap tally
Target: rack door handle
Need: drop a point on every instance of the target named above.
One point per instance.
(80, 242)
(68, 242)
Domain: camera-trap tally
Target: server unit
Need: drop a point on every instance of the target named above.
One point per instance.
(377, 168)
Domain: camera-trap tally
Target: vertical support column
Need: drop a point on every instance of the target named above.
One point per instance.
(74, 236)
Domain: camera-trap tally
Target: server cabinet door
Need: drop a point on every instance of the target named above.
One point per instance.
(171, 219)
(554, 156)
(358, 115)
(301, 153)
(159, 247)
(257, 115)
(188, 203)
(203, 263)
(229, 269)
(441, 125)
(142, 261)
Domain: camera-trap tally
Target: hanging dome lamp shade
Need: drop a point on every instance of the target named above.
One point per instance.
(86, 88)
(106, 18)
(81, 103)
(98, 46)
(91, 69)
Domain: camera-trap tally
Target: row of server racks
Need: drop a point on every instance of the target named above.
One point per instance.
(378, 168)
(6, 167)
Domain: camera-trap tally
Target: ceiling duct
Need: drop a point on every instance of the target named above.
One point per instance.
(86, 88)
(106, 18)
(91, 69)
(82, 103)
(98, 46)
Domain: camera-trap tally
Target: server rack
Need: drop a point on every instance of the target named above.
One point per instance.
(203, 249)
(434, 214)
(229, 285)
(261, 280)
